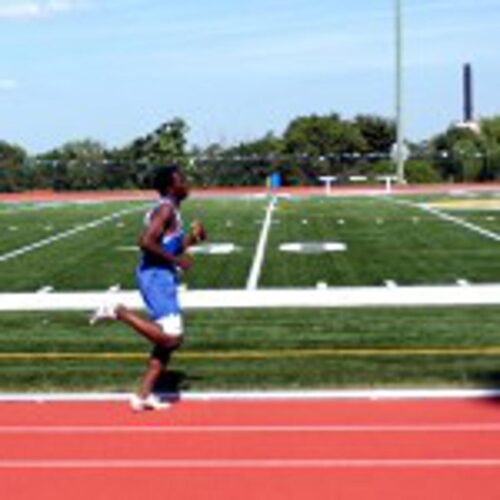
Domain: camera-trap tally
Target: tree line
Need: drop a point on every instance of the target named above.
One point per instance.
(310, 146)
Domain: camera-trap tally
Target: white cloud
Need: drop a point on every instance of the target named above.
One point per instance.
(33, 9)
(20, 10)
(7, 84)
(63, 5)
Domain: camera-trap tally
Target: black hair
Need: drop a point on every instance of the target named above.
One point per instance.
(163, 178)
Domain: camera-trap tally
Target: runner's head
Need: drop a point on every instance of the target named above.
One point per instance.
(169, 181)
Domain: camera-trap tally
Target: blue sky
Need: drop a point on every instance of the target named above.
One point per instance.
(115, 69)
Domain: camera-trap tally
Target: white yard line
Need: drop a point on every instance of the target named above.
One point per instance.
(26, 208)
(66, 234)
(38, 206)
(251, 463)
(451, 218)
(253, 278)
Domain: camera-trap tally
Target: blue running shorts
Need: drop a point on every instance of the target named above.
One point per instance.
(159, 291)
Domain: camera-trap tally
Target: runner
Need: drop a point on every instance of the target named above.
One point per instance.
(163, 244)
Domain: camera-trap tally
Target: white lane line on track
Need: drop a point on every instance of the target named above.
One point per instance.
(221, 429)
(65, 234)
(253, 278)
(252, 464)
(326, 396)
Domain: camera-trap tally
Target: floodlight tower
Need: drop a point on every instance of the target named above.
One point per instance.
(400, 147)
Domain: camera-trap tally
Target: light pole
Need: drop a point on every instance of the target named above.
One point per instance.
(400, 153)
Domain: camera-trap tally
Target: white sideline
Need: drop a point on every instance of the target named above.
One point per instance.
(65, 234)
(450, 218)
(460, 222)
(253, 278)
(245, 396)
(338, 297)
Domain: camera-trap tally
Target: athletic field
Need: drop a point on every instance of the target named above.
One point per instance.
(82, 246)
(301, 243)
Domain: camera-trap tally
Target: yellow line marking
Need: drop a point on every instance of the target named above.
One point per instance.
(487, 204)
(235, 355)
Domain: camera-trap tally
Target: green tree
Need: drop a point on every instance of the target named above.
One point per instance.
(459, 154)
(254, 161)
(166, 144)
(490, 129)
(322, 135)
(79, 165)
(248, 163)
(323, 144)
(421, 172)
(378, 133)
(468, 155)
(14, 175)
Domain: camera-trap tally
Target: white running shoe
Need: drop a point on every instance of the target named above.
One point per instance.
(102, 313)
(152, 402)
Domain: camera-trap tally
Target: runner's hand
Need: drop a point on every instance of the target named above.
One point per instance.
(183, 262)
(198, 232)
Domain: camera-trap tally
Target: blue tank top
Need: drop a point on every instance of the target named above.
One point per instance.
(172, 241)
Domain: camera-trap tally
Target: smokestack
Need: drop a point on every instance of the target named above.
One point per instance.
(468, 94)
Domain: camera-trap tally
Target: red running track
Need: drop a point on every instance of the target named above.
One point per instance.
(252, 450)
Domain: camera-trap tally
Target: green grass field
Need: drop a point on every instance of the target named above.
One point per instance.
(385, 241)
(252, 349)
(439, 347)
